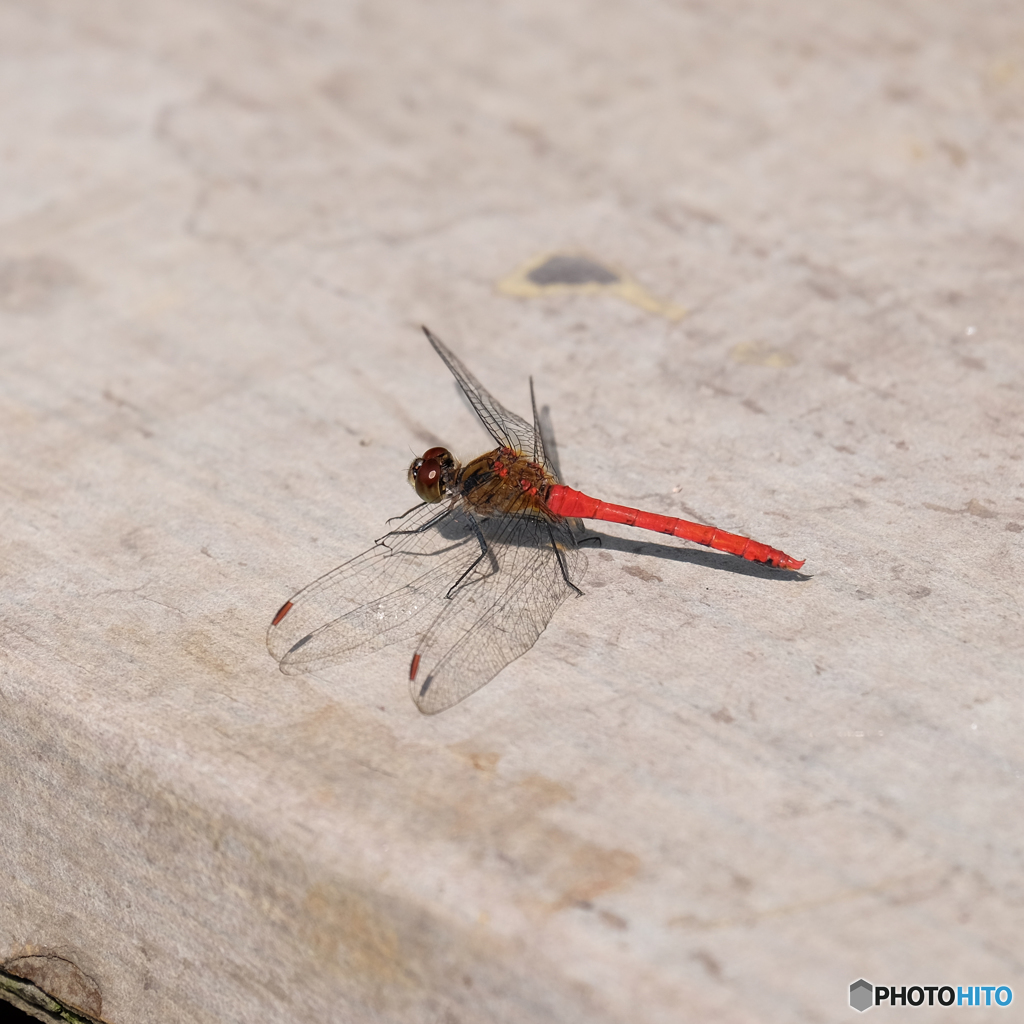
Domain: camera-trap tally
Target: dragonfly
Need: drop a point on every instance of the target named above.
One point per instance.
(475, 571)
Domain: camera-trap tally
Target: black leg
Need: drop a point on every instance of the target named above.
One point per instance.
(394, 519)
(561, 563)
(432, 521)
(483, 554)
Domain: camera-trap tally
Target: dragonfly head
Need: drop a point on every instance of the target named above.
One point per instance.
(432, 474)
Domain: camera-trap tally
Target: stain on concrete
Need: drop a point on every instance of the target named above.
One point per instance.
(352, 934)
(35, 283)
(589, 871)
(972, 508)
(571, 270)
(641, 574)
(582, 274)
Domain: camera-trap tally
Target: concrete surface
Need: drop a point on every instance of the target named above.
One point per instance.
(710, 792)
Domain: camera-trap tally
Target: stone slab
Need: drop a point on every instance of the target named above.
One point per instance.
(711, 791)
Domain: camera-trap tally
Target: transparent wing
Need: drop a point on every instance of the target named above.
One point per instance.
(505, 427)
(540, 440)
(549, 452)
(389, 593)
(499, 610)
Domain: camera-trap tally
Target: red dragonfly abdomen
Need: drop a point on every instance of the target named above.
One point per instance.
(564, 501)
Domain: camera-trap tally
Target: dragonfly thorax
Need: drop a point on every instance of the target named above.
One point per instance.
(432, 474)
(505, 482)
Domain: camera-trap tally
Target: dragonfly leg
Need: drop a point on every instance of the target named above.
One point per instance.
(394, 519)
(431, 522)
(561, 563)
(484, 552)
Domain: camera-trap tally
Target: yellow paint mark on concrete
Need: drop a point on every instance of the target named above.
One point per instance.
(577, 273)
(756, 353)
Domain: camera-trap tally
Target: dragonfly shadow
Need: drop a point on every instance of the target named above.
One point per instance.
(457, 527)
(696, 556)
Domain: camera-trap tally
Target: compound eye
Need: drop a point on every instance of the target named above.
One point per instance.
(427, 474)
(428, 480)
